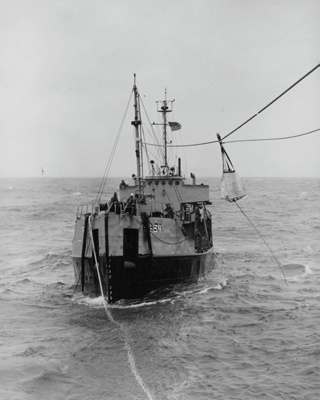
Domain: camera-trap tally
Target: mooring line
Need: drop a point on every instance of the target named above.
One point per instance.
(284, 276)
(127, 346)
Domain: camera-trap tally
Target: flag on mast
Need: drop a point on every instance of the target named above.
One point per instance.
(175, 126)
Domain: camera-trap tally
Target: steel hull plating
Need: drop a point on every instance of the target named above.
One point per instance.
(125, 280)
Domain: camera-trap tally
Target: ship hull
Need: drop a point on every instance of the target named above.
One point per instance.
(125, 280)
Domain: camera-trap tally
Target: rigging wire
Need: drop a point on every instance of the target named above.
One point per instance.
(183, 145)
(284, 276)
(179, 197)
(280, 138)
(107, 169)
(143, 146)
(273, 101)
(153, 132)
(251, 118)
(235, 141)
(147, 151)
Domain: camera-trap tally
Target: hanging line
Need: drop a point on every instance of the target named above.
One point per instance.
(280, 138)
(227, 163)
(284, 276)
(273, 101)
(234, 141)
(232, 187)
(127, 346)
(259, 112)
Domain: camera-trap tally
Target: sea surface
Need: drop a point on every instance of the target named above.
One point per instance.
(242, 332)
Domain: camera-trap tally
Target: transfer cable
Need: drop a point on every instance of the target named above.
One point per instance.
(251, 118)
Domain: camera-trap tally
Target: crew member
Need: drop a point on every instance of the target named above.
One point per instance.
(114, 202)
(169, 211)
(131, 205)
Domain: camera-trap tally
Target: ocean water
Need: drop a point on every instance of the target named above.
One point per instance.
(241, 332)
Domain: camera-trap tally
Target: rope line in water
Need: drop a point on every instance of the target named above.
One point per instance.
(285, 280)
(127, 346)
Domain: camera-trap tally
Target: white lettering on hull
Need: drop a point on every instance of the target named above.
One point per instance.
(156, 227)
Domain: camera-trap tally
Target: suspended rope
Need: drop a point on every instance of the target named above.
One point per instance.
(232, 189)
(120, 325)
(235, 141)
(285, 280)
(279, 138)
(172, 243)
(182, 145)
(251, 118)
(273, 101)
(95, 255)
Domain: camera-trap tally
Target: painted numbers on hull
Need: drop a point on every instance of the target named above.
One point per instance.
(156, 227)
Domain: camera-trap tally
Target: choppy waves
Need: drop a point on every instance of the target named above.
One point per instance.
(239, 333)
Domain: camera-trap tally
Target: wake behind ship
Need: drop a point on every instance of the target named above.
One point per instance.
(155, 232)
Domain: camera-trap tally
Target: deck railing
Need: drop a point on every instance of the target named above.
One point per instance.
(88, 208)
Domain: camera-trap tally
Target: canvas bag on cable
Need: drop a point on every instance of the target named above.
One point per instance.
(232, 187)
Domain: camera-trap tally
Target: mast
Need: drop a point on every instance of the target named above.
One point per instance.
(136, 123)
(164, 109)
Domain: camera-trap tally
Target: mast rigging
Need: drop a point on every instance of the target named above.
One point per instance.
(137, 123)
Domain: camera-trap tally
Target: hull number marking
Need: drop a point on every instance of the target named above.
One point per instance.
(156, 227)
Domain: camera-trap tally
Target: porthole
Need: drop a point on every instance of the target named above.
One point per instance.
(170, 182)
(163, 182)
(177, 183)
(149, 183)
(157, 183)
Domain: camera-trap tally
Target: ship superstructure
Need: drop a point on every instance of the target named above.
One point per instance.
(154, 232)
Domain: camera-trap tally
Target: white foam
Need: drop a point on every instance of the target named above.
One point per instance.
(94, 302)
(98, 302)
(137, 305)
(206, 290)
(218, 286)
(224, 283)
(307, 272)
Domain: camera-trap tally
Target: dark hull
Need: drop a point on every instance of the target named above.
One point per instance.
(126, 280)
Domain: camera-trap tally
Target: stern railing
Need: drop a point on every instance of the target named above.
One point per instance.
(89, 207)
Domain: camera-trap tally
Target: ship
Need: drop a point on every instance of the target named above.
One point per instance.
(153, 233)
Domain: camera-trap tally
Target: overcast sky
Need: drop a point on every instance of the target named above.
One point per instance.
(66, 73)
